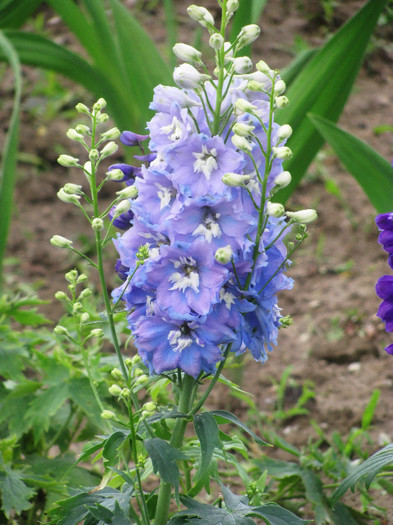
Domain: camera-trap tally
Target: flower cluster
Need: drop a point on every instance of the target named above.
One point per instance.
(384, 286)
(213, 240)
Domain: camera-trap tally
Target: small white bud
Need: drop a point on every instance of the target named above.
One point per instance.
(82, 277)
(108, 414)
(109, 149)
(248, 35)
(279, 87)
(302, 216)
(125, 393)
(60, 330)
(235, 179)
(85, 317)
(77, 308)
(122, 207)
(74, 135)
(87, 168)
(136, 359)
(228, 49)
(82, 129)
(111, 134)
(94, 155)
(283, 179)
(284, 132)
(149, 407)
(66, 197)
(114, 390)
(244, 105)
(102, 117)
(242, 129)
(115, 174)
(85, 293)
(100, 104)
(60, 242)
(282, 152)
(224, 255)
(281, 102)
(216, 41)
(232, 6)
(97, 332)
(242, 65)
(71, 188)
(130, 192)
(67, 161)
(141, 380)
(263, 67)
(254, 85)
(81, 108)
(200, 15)
(241, 143)
(97, 224)
(274, 209)
(187, 77)
(60, 295)
(186, 53)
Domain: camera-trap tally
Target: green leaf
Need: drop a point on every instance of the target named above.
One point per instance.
(28, 317)
(15, 494)
(82, 395)
(10, 149)
(372, 172)
(14, 14)
(13, 357)
(323, 87)
(208, 434)
(249, 12)
(369, 411)
(365, 472)
(164, 458)
(223, 416)
(14, 407)
(112, 445)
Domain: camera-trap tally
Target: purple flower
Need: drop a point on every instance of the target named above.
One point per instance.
(130, 138)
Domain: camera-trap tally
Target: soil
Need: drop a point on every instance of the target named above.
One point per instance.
(336, 341)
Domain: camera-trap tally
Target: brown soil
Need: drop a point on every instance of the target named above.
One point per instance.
(336, 340)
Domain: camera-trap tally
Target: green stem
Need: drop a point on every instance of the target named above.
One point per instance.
(164, 495)
(221, 75)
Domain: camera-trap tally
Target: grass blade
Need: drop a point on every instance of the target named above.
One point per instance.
(171, 29)
(323, 87)
(14, 13)
(8, 163)
(249, 12)
(372, 172)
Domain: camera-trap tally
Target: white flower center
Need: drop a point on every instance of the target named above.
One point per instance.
(178, 340)
(206, 161)
(187, 277)
(209, 228)
(174, 129)
(227, 297)
(165, 195)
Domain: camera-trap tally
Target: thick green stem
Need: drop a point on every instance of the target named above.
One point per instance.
(164, 495)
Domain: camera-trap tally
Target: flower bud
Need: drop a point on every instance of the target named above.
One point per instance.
(82, 129)
(216, 41)
(254, 85)
(81, 108)
(60, 330)
(94, 155)
(279, 87)
(282, 152)
(274, 209)
(97, 224)
(130, 192)
(85, 293)
(60, 242)
(242, 129)
(186, 53)
(97, 332)
(263, 67)
(242, 65)
(200, 15)
(187, 77)
(128, 362)
(149, 407)
(116, 374)
(85, 317)
(248, 35)
(71, 276)
(114, 390)
(99, 105)
(82, 277)
(60, 296)
(125, 393)
(77, 307)
(74, 135)
(111, 134)
(71, 188)
(109, 149)
(136, 359)
(69, 198)
(302, 216)
(115, 175)
(232, 6)
(235, 179)
(281, 102)
(122, 207)
(67, 161)
(108, 414)
(284, 132)
(244, 105)
(141, 380)
(87, 168)
(241, 143)
(224, 255)
(283, 179)
(102, 117)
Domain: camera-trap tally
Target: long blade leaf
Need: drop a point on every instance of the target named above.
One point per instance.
(372, 172)
(14, 13)
(323, 87)
(8, 162)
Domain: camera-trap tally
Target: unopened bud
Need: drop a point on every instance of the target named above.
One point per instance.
(60, 330)
(248, 35)
(186, 53)
(82, 129)
(241, 143)
(71, 276)
(82, 277)
(97, 224)
(108, 414)
(85, 317)
(281, 102)
(122, 207)
(69, 198)
(111, 134)
(282, 153)
(85, 293)
(67, 161)
(77, 308)
(141, 380)
(128, 362)
(109, 149)
(130, 192)
(149, 407)
(302, 216)
(115, 175)
(224, 255)
(60, 296)
(114, 390)
(263, 67)
(284, 132)
(102, 117)
(74, 135)
(71, 188)
(125, 393)
(136, 359)
(242, 65)
(232, 6)
(235, 179)
(200, 15)
(283, 179)
(116, 374)
(81, 108)
(244, 105)
(187, 77)
(216, 41)
(97, 332)
(274, 209)
(94, 155)
(87, 168)
(60, 242)
(279, 87)
(254, 85)
(100, 104)
(243, 130)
